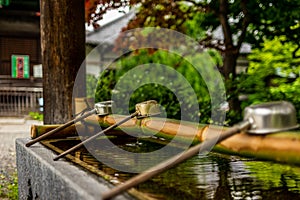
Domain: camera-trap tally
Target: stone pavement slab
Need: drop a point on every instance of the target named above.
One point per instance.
(12, 128)
(12, 120)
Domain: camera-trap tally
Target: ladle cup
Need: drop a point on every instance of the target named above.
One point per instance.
(144, 109)
(101, 108)
(258, 119)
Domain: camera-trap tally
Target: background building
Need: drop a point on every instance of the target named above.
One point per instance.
(20, 57)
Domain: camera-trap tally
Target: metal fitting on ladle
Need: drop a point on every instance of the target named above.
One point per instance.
(103, 108)
(147, 109)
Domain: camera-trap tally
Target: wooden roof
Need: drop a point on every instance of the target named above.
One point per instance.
(23, 5)
(20, 18)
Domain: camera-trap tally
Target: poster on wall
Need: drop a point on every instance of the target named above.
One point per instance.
(20, 66)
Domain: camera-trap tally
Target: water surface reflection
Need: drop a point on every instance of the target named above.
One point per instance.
(213, 176)
(216, 176)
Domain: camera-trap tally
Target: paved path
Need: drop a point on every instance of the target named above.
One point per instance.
(10, 129)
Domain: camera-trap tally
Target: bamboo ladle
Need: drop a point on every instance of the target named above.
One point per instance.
(101, 108)
(259, 119)
(144, 109)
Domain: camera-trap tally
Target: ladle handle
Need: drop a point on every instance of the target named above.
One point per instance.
(91, 112)
(95, 136)
(173, 161)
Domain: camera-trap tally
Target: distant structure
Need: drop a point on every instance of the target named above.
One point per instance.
(19, 34)
(102, 41)
(20, 57)
(242, 61)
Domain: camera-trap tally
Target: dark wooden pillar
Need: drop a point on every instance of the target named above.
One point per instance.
(63, 51)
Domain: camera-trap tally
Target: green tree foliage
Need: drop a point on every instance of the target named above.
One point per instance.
(273, 74)
(274, 18)
(91, 81)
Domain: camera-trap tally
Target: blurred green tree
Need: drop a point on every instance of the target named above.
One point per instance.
(273, 74)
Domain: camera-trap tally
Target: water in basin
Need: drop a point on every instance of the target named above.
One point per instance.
(210, 176)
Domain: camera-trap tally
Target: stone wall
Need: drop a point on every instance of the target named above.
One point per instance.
(39, 177)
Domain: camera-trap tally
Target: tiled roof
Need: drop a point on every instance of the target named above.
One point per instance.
(109, 32)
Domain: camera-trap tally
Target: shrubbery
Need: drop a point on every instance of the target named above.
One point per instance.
(162, 93)
(273, 74)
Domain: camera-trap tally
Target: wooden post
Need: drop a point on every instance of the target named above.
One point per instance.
(63, 51)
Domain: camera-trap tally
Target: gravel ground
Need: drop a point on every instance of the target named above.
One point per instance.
(10, 129)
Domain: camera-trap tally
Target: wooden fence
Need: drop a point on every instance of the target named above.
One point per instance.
(19, 101)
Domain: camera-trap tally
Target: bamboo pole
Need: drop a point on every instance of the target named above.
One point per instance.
(71, 131)
(38, 130)
(86, 129)
(171, 129)
(282, 147)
